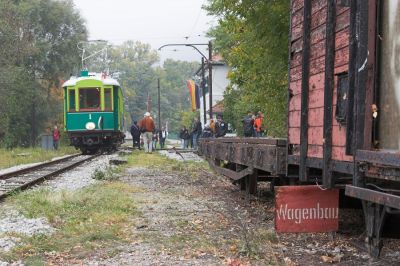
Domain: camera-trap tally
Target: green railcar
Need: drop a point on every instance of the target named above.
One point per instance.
(93, 112)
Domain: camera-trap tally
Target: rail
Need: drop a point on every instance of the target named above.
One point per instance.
(27, 177)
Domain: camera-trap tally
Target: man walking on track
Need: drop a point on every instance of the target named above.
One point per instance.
(146, 126)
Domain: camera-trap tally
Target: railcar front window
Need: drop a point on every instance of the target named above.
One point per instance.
(89, 99)
(107, 99)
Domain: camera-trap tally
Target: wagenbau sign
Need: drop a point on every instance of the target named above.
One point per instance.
(306, 209)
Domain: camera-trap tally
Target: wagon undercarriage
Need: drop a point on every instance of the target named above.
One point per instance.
(248, 161)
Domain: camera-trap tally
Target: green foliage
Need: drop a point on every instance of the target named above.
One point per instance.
(252, 36)
(188, 117)
(37, 49)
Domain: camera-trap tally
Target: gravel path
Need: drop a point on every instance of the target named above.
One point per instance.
(187, 219)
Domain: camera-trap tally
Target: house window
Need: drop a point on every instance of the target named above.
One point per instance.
(342, 98)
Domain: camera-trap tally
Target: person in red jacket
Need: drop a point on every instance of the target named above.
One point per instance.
(56, 137)
(258, 124)
(146, 125)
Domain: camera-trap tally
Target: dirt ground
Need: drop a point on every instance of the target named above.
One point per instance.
(199, 218)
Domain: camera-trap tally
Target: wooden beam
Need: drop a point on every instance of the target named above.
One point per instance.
(361, 77)
(382, 198)
(327, 177)
(305, 89)
(352, 78)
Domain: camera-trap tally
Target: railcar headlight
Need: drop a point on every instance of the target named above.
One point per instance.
(90, 125)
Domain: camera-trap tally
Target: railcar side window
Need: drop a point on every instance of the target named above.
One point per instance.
(89, 98)
(71, 97)
(107, 99)
(342, 98)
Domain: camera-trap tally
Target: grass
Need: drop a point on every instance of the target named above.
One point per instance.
(109, 174)
(98, 216)
(18, 156)
(156, 161)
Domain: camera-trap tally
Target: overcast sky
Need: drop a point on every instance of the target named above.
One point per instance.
(156, 22)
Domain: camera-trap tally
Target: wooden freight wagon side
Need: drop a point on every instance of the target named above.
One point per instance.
(343, 115)
(319, 59)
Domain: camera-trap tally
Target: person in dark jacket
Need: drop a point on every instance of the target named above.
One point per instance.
(248, 125)
(221, 127)
(196, 132)
(135, 132)
(184, 136)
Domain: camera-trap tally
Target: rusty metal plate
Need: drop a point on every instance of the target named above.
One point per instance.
(306, 209)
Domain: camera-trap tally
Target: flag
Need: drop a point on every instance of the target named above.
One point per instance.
(197, 97)
(192, 93)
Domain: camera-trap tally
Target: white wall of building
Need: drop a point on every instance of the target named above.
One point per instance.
(219, 84)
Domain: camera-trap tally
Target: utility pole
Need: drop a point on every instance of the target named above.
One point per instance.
(209, 62)
(203, 89)
(210, 77)
(159, 105)
(148, 102)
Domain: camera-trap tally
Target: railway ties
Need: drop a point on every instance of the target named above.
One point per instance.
(27, 177)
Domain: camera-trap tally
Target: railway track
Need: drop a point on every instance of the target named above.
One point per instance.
(27, 177)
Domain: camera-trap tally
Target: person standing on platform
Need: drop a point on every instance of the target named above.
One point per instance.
(221, 127)
(248, 125)
(196, 131)
(56, 137)
(212, 126)
(135, 132)
(258, 124)
(146, 125)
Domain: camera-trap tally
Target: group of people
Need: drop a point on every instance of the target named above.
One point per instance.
(216, 128)
(191, 138)
(146, 129)
(252, 125)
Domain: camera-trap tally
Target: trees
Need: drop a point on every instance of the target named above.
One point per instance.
(37, 49)
(252, 36)
(135, 65)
